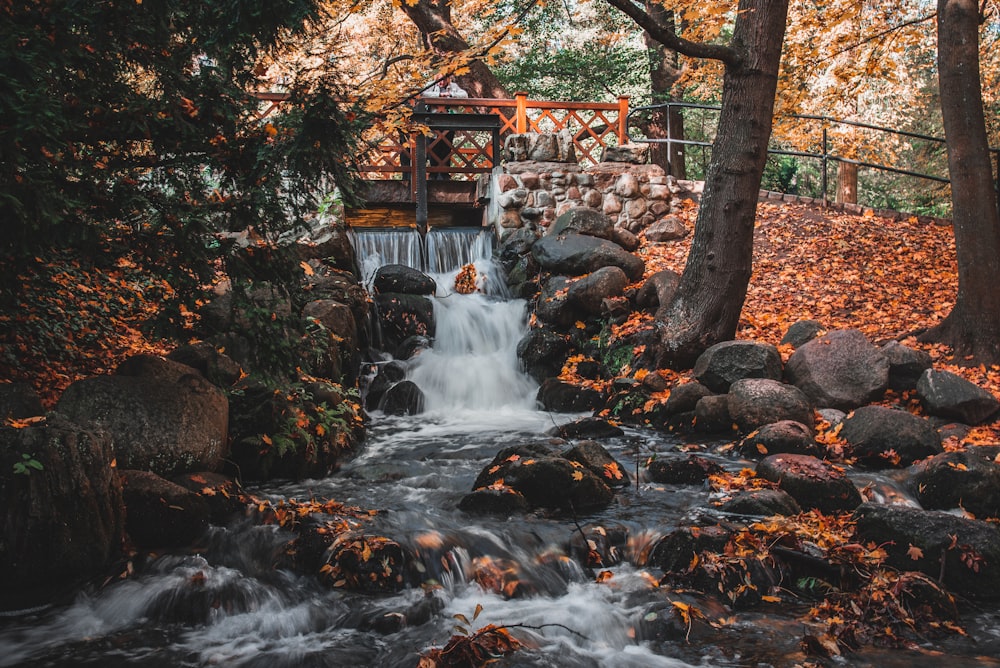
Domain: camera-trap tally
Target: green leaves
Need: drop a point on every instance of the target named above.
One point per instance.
(27, 464)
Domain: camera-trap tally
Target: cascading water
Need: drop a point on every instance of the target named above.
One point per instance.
(227, 604)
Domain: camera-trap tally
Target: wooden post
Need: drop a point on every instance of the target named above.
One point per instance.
(622, 119)
(521, 115)
(847, 183)
(420, 179)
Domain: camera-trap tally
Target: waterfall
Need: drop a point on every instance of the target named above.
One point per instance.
(472, 364)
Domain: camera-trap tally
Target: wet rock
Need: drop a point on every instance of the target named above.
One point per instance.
(906, 365)
(162, 416)
(802, 332)
(560, 397)
(599, 461)
(553, 306)
(362, 562)
(401, 316)
(812, 482)
(840, 369)
(664, 622)
(386, 376)
(575, 254)
(403, 398)
(583, 220)
(657, 290)
(62, 524)
(948, 395)
(675, 551)
(755, 402)
(19, 400)
(724, 363)
(692, 470)
(711, 414)
(410, 347)
(217, 367)
(965, 554)
(762, 502)
(159, 513)
(546, 481)
(222, 494)
(685, 397)
(600, 546)
(342, 359)
(588, 427)
(883, 437)
(398, 278)
(784, 436)
(499, 500)
(543, 353)
(969, 479)
(588, 293)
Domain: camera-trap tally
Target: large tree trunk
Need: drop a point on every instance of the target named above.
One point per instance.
(433, 20)
(663, 74)
(706, 307)
(973, 326)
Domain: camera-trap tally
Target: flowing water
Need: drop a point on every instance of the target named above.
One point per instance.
(227, 605)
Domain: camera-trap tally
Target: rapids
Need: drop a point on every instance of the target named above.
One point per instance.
(225, 604)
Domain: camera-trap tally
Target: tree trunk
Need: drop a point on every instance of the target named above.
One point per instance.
(706, 308)
(663, 74)
(433, 20)
(972, 328)
(847, 183)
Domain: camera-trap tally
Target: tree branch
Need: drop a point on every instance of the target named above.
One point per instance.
(671, 40)
(879, 35)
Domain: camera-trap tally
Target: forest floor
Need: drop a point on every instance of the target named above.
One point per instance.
(891, 279)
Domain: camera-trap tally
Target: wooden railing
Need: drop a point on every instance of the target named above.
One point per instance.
(593, 126)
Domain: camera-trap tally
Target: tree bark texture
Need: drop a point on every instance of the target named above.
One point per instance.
(433, 20)
(706, 308)
(973, 326)
(847, 183)
(663, 74)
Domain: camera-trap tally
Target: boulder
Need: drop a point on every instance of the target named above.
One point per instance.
(761, 502)
(553, 307)
(711, 414)
(968, 479)
(401, 316)
(691, 470)
(19, 400)
(669, 228)
(724, 363)
(886, 437)
(222, 493)
(588, 293)
(159, 513)
(782, 437)
(399, 278)
(340, 357)
(161, 416)
(948, 395)
(755, 402)
(403, 398)
(583, 220)
(812, 482)
(964, 554)
(906, 365)
(386, 375)
(801, 332)
(501, 500)
(635, 154)
(543, 353)
(588, 427)
(561, 397)
(675, 551)
(599, 461)
(576, 254)
(547, 481)
(63, 517)
(657, 290)
(685, 397)
(203, 357)
(840, 369)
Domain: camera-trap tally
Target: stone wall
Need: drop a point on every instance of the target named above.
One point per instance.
(537, 191)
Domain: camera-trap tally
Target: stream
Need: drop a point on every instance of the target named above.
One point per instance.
(225, 604)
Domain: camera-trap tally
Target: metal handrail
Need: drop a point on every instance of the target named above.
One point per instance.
(825, 156)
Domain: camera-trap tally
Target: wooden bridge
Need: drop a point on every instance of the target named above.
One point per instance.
(430, 176)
